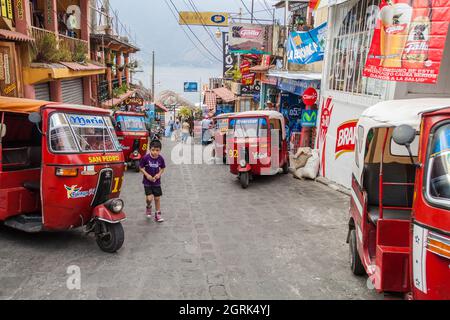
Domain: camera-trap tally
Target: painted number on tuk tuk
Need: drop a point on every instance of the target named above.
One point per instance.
(117, 184)
(233, 153)
(144, 147)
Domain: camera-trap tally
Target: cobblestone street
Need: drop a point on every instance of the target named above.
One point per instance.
(280, 239)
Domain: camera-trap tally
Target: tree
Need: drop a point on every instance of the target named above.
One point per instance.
(185, 112)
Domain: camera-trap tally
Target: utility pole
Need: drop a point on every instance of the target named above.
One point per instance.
(286, 25)
(253, 9)
(153, 77)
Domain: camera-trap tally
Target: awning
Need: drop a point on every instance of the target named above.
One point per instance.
(115, 101)
(160, 106)
(211, 100)
(225, 94)
(312, 76)
(21, 105)
(15, 36)
(82, 67)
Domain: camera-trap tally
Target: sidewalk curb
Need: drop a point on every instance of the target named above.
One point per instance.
(334, 186)
(328, 183)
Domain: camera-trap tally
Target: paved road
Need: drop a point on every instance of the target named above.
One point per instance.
(280, 239)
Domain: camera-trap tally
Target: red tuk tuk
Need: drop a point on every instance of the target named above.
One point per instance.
(399, 230)
(133, 136)
(257, 145)
(61, 168)
(220, 136)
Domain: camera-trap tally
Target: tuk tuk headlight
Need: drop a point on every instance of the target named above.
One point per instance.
(136, 153)
(115, 205)
(243, 163)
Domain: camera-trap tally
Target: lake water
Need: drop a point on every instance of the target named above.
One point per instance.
(173, 78)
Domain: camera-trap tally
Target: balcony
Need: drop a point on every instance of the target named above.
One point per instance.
(77, 47)
(103, 91)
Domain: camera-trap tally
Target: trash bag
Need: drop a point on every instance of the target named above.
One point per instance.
(311, 169)
(300, 159)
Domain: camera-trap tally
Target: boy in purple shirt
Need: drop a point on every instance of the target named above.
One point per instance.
(152, 165)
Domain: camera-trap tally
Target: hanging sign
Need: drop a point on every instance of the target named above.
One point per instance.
(408, 41)
(346, 138)
(310, 97)
(307, 47)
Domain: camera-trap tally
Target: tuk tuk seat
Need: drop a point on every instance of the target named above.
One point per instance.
(394, 195)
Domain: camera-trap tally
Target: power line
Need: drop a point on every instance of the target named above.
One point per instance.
(193, 33)
(204, 26)
(251, 13)
(175, 16)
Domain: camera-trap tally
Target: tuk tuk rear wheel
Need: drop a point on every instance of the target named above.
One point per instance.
(111, 238)
(244, 178)
(355, 260)
(137, 165)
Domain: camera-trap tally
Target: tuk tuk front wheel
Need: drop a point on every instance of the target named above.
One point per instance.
(111, 237)
(244, 178)
(355, 260)
(286, 167)
(137, 165)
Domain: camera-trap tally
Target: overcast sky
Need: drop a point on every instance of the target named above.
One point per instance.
(157, 29)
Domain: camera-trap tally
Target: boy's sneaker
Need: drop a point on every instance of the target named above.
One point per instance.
(158, 217)
(148, 212)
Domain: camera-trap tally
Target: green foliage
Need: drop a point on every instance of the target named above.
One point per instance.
(185, 112)
(117, 92)
(65, 55)
(45, 49)
(79, 52)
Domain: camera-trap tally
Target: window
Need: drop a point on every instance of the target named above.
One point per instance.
(86, 133)
(249, 127)
(128, 123)
(350, 45)
(438, 175)
(61, 138)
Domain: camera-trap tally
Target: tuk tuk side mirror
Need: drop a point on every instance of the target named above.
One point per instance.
(2, 130)
(35, 118)
(113, 121)
(404, 135)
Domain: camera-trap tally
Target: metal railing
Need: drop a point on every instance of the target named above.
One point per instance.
(103, 91)
(115, 84)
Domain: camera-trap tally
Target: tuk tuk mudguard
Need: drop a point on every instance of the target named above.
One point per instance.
(103, 214)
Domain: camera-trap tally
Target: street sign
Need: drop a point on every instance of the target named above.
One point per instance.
(190, 87)
(213, 19)
(309, 118)
(310, 96)
(134, 102)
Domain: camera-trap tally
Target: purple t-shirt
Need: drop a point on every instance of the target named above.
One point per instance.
(152, 167)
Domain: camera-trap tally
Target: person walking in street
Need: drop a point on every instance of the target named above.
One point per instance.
(206, 126)
(152, 166)
(185, 131)
(177, 130)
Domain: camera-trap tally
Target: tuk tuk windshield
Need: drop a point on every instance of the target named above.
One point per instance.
(131, 123)
(249, 127)
(438, 181)
(73, 133)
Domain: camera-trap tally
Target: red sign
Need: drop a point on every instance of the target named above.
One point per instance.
(248, 79)
(408, 41)
(245, 67)
(346, 138)
(310, 97)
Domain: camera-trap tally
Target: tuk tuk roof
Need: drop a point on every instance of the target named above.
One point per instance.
(128, 113)
(224, 116)
(20, 105)
(264, 113)
(398, 112)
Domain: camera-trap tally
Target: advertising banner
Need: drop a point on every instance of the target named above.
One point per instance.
(251, 38)
(309, 118)
(214, 19)
(229, 58)
(190, 87)
(408, 41)
(307, 47)
(346, 138)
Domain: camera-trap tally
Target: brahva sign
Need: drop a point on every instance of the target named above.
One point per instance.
(346, 138)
